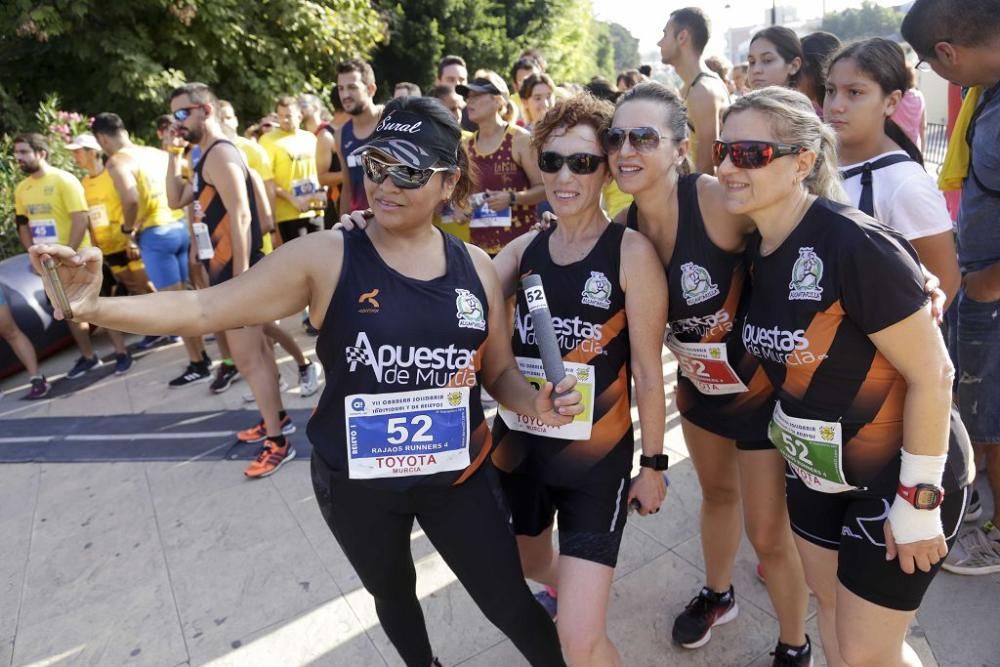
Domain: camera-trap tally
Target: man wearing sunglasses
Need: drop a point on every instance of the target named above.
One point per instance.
(960, 41)
(706, 95)
(228, 236)
(139, 175)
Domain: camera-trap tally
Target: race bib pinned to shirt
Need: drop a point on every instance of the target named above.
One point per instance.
(813, 449)
(582, 424)
(706, 365)
(484, 216)
(304, 187)
(98, 215)
(405, 434)
(44, 231)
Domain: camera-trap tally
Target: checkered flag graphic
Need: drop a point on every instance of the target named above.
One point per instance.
(356, 355)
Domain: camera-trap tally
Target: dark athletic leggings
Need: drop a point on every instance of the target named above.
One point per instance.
(468, 526)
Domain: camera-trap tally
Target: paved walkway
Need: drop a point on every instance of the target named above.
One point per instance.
(130, 537)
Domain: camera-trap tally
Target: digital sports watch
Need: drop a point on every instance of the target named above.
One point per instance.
(656, 462)
(921, 496)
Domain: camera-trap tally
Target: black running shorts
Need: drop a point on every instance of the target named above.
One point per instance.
(851, 524)
(592, 513)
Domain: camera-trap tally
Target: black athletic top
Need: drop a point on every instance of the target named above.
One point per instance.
(384, 333)
(588, 311)
(709, 291)
(838, 277)
(209, 209)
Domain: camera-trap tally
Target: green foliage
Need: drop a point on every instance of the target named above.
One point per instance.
(626, 48)
(490, 34)
(57, 126)
(127, 56)
(871, 20)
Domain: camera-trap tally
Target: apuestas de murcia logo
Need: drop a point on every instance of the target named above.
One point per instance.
(718, 322)
(570, 333)
(469, 311)
(597, 291)
(696, 284)
(806, 274)
(399, 364)
(789, 348)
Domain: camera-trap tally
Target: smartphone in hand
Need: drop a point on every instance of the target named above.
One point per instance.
(62, 301)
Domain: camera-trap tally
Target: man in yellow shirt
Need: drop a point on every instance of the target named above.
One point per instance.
(121, 254)
(297, 208)
(139, 174)
(50, 207)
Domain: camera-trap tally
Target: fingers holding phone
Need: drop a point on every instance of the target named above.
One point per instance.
(72, 279)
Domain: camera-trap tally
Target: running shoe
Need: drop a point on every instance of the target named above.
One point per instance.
(248, 397)
(977, 551)
(149, 342)
(123, 362)
(548, 599)
(258, 432)
(40, 388)
(311, 330)
(793, 656)
(225, 376)
(194, 373)
(760, 573)
(974, 508)
(270, 458)
(83, 366)
(693, 628)
(308, 379)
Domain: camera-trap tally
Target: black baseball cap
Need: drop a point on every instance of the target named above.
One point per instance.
(480, 85)
(413, 139)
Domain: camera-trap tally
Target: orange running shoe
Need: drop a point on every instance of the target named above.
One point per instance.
(257, 432)
(271, 458)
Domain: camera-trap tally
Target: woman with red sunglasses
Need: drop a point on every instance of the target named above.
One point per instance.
(608, 298)
(722, 395)
(840, 322)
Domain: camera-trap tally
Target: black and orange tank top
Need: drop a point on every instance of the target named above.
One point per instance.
(402, 357)
(709, 290)
(209, 209)
(588, 311)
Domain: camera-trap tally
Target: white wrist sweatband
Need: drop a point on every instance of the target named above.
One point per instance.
(908, 523)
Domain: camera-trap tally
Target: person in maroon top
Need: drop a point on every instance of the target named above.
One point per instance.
(501, 153)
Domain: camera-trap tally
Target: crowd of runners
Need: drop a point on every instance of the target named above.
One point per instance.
(772, 224)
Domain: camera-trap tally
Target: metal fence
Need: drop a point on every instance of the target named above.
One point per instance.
(936, 146)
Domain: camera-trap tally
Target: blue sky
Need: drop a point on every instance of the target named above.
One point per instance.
(645, 18)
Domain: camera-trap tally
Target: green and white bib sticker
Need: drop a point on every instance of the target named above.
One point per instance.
(580, 427)
(813, 448)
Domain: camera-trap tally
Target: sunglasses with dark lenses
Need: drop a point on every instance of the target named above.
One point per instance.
(403, 177)
(752, 154)
(184, 113)
(578, 163)
(643, 139)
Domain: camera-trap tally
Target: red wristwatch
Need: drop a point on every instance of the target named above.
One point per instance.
(921, 496)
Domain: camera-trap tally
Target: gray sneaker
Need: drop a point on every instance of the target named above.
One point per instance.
(977, 551)
(248, 396)
(308, 380)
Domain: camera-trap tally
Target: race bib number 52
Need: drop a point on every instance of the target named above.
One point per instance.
(408, 433)
(706, 365)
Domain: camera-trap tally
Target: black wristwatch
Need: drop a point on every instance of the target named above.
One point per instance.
(657, 462)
